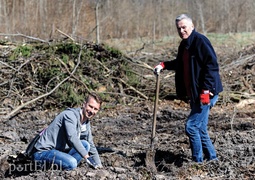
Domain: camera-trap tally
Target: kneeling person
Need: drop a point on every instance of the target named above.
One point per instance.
(61, 143)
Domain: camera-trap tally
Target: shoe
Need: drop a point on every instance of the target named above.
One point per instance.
(213, 161)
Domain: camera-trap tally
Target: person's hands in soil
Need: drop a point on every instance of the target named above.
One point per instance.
(92, 163)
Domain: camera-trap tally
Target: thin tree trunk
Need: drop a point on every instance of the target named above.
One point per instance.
(97, 23)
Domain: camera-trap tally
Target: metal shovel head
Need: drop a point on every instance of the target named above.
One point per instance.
(150, 161)
(150, 154)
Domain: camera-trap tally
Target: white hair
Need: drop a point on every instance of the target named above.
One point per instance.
(183, 16)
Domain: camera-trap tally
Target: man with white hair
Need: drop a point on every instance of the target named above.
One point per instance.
(197, 81)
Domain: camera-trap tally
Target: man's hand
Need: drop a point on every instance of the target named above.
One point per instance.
(159, 68)
(92, 163)
(205, 97)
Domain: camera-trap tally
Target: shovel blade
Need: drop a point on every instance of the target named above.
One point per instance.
(150, 161)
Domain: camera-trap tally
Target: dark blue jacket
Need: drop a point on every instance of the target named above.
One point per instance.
(204, 68)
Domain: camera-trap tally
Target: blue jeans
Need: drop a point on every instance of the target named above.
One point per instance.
(60, 160)
(196, 129)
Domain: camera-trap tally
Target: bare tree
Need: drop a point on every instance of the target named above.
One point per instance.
(122, 19)
(97, 22)
(76, 15)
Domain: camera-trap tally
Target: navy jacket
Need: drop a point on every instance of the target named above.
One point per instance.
(204, 68)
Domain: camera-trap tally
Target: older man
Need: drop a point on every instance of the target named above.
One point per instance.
(197, 80)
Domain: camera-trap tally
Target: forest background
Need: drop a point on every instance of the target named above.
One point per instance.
(104, 20)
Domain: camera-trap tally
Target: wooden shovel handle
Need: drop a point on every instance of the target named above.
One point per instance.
(153, 134)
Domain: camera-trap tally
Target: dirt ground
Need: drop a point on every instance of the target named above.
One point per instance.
(123, 140)
(122, 136)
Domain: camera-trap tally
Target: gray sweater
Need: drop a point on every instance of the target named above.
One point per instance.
(86, 134)
(63, 132)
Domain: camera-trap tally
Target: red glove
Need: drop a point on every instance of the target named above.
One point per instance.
(205, 97)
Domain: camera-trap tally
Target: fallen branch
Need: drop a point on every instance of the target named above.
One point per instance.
(139, 63)
(238, 62)
(22, 35)
(71, 74)
(122, 95)
(8, 65)
(232, 119)
(245, 102)
(131, 87)
(65, 34)
(247, 85)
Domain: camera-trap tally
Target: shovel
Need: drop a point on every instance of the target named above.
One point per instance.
(150, 154)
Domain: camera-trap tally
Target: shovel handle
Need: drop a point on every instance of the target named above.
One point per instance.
(155, 112)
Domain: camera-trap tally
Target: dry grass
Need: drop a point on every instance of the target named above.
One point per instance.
(236, 41)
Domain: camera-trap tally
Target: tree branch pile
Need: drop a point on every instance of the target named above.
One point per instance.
(238, 77)
(59, 74)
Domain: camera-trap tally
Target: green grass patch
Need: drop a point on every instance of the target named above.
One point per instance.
(23, 50)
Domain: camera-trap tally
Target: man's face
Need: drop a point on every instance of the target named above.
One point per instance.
(184, 28)
(90, 108)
